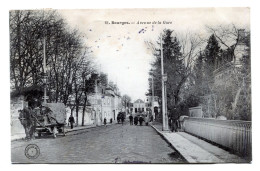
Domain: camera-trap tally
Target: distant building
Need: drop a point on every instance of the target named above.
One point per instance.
(131, 107)
(105, 102)
(152, 102)
(226, 66)
(88, 115)
(230, 59)
(116, 101)
(139, 106)
(95, 101)
(110, 102)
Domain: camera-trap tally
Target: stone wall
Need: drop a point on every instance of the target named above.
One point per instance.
(17, 130)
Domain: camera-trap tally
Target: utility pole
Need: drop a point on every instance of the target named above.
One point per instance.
(44, 73)
(166, 109)
(96, 102)
(125, 103)
(165, 118)
(153, 99)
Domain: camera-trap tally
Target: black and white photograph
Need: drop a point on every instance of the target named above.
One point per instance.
(130, 86)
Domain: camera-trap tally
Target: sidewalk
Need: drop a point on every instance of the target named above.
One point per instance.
(195, 150)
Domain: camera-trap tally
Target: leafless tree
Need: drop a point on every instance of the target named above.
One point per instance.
(65, 54)
(126, 100)
(180, 52)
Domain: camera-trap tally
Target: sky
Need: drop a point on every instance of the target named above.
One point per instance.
(120, 49)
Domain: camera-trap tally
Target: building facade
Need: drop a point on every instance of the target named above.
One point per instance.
(152, 102)
(139, 106)
(229, 61)
(105, 102)
(228, 79)
(145, 106)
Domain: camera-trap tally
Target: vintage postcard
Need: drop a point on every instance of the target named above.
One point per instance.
(164, 86)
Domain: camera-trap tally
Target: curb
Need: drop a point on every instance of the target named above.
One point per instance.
(17, 139)
(161, 134)
(73, 130)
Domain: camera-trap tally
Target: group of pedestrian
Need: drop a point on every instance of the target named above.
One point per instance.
(132, 119)
(140, 119)
(105, 121)
(120, 118)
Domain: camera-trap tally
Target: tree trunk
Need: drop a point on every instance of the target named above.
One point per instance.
(83, 111)
(77, 107)
(77, 112)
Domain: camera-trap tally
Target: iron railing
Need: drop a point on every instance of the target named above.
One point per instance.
(232, 134)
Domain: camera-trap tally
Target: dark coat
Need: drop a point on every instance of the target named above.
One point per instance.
(135, 119)
(71, 119)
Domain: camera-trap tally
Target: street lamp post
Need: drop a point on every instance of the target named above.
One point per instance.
(164, 113)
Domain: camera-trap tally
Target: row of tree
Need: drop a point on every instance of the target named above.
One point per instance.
(71, 73)
(191, 64)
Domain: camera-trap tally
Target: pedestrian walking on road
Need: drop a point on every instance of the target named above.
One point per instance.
(174, 125)
(71, 121)
(135, 120)
(151, 119)
(141, 120)
(146, 120)
(122, 119)
(105, 121)
(131, 119)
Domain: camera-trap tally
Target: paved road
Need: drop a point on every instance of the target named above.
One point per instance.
(112, 144)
